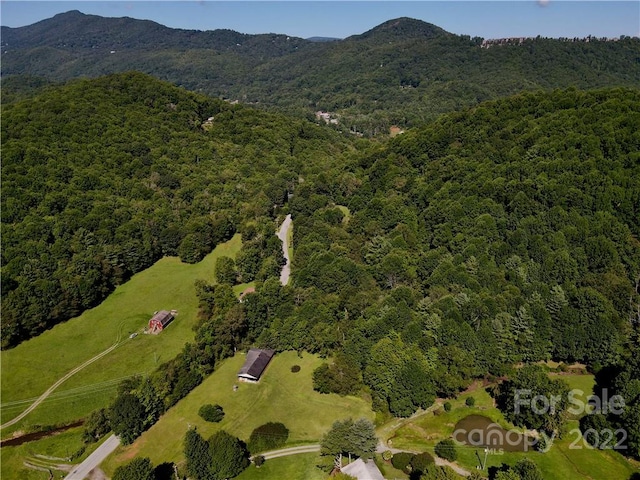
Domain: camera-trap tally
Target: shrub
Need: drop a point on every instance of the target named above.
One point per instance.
(421, 461)
(258, 460)
(402, 460)
(268, 437)
(447, 406)
(387, 455)
(211, 413)
(295, 369)
(447, 449)
(470, 402)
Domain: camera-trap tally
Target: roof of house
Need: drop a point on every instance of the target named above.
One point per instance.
(363, 470)
(163, 317)
(257, 360)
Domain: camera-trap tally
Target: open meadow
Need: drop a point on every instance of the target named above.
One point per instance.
(280, 396)
(33, 366)
(562, 461)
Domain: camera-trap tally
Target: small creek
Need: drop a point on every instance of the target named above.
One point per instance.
(30, 437)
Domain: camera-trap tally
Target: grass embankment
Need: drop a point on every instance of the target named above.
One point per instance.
(33, 366)
(562, 461)
(56, 449)
(281, 396)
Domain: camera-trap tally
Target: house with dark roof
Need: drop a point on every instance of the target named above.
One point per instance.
(159, 321)
(255, 364)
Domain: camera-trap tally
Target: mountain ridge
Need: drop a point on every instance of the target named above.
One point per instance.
(403, 72)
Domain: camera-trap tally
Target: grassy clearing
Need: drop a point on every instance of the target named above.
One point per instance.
(33, 366)
(346, 212)
(562, 461)
(290, 242)
(295, 467)
(281, 396)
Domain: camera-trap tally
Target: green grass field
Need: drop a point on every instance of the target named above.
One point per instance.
(561, 462)
(281, 396)
(57, 448)
(30, 368)
(295, 467)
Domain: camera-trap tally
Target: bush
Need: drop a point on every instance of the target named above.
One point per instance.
(268, 437)
(470, 402)
(447, 449)
(421, 461)
(387, 455)
(295, 369)
(211, 413)
(447, 406)
(402, 460)
(258, 460)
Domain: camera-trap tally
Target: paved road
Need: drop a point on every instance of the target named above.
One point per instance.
(95, 459)
(285, 452)
(282, 235)
(48, 392)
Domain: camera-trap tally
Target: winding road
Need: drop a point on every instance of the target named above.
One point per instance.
(50, 390)
(282, 235)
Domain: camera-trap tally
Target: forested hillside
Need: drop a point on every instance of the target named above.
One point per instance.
(503, 234)
(404, 72)
(101, 178)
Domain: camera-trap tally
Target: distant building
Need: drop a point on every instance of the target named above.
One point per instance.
(255, 364)
(159, 321)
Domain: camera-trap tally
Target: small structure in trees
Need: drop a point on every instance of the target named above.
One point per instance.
(160, 320)
(255, 364)
(245, 292)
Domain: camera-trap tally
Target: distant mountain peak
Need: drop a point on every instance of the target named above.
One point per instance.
(404, 27)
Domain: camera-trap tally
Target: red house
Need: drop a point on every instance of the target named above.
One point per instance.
(159, 321)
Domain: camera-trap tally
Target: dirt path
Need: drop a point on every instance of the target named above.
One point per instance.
(285, 452)
(48, 392)
(282, 235)
(92, 461)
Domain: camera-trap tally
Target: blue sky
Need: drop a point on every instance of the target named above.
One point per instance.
(495, 19)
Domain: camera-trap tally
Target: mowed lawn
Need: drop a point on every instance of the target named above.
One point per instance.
(561, 462)
(281, 396)
(33, 366)
(295, 467)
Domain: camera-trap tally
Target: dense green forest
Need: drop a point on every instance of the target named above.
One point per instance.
(501, 234)
(404, 72)
(102, 178)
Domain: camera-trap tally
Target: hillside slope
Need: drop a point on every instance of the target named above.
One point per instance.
(103, 177)
(402, 72)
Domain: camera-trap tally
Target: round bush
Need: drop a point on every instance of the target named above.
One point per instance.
(258, 460)
(447, 449)
(387, 455)
(421, 461)
(211, 413)
(447, 406)
(470, 402)
(269, 436)
(295, 369)
(401, 460)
